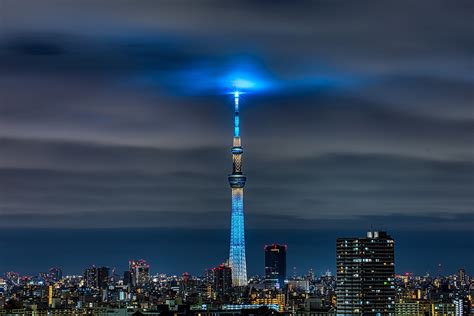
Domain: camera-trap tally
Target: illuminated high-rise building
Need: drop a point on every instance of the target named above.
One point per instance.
(237, 180)
(96, 277)
(275, 263)
(50, 295)
(365, 283)
(90, 277)
(140, 272)
(222, 280)
(462, 277)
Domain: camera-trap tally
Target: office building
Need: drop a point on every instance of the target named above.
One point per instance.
(365, 275)
(275, 263)
(222, 279)
(139, 272)
(102, 277)
(90, 277)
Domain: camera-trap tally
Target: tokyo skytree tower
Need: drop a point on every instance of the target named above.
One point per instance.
(237, 182)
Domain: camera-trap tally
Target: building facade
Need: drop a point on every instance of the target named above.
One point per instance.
(90, 277)
(139, 272)
(365, 275)
(103, 277)
(275, 263)
(222, 280)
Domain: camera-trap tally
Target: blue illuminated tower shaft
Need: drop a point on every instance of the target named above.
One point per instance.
(237, 230)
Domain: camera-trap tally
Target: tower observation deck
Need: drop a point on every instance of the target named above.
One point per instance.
(237, 182)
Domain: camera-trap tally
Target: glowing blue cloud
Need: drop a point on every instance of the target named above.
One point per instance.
(247, 77)
(242, 84)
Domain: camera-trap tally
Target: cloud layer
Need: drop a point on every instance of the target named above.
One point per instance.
(115, 115)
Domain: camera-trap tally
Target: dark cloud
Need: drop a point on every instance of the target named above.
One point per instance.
(66, 184)
(115, 114)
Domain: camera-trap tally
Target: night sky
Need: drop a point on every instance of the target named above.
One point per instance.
(116, 128)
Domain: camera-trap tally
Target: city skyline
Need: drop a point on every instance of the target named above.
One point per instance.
(115, 129)
(365, 284)
(273, 265)
(317, 254)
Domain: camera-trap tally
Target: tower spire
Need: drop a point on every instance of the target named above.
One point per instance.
(237, 181)
(236, 115)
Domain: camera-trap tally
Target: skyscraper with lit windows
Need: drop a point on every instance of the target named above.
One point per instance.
(90, 277)
(222, 280)
(365, 283)
(139, 272)
(237, 180)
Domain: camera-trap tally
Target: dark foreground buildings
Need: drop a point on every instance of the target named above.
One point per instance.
(365, 275)
(222, 281)
(364, 287)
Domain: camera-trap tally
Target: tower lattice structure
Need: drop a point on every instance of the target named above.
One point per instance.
(237, 180)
